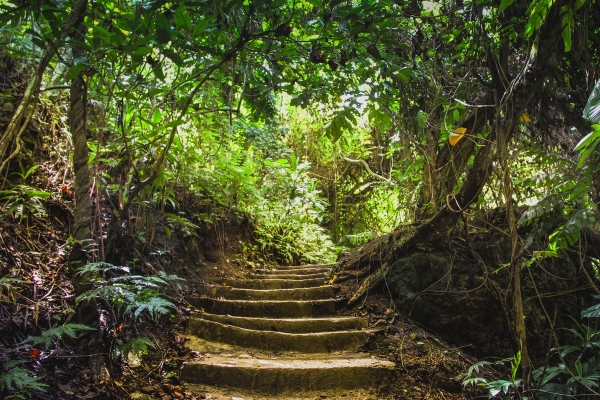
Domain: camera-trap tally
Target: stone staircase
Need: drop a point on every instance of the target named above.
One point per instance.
(274, 336)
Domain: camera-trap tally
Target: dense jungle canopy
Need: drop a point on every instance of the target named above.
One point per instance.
(380, 130)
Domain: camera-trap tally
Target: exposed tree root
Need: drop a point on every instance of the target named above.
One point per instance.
(370, 282)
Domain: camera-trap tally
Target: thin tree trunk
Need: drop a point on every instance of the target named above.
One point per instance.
(22, 116)
(87, 313)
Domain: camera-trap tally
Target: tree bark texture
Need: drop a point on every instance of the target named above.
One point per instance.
(87, 313)
(22, 115)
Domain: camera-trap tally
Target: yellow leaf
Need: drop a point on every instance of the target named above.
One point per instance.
(525, 118)
(457, 135)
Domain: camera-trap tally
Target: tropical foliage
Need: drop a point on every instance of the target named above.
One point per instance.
(325, 123)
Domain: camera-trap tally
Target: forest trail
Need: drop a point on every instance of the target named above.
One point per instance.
(275, 335)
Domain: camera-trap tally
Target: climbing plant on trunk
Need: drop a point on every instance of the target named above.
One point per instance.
(490, 132)
(11, 139)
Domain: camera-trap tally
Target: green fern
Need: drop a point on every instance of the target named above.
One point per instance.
(261, 102)
(497, 386)
(8, 286)
(136, 346)
(568, 234)
(56, 333)
(151, 302)
(19, 381)
(22, 200)
(567, 199)
(356, 239)
(128, 293)
(101, 267)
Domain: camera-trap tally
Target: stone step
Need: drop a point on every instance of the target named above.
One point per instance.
(307, 266)
(266, 308)
(290, 325)
(316, 342)
(272, 283)
(229, 393)
(267, 337)
(298, 271)
(231, 293)
(287, 374)
(287, 276)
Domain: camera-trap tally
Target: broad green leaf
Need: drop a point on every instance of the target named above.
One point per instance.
(75, 70)
(176, 58)
(183, 20)
(156, 116)
(591, 112)
(100, 30)
(154, 92)
(38, 193)
(142, 51)
(568, 24)
(201, 27)
(588, 139)
(341, 121)
(505, 4)
(158, 72)
(173, 123)
(538, 10)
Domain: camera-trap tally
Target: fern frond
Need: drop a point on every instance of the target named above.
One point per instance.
(568, 234)
(155, 306)
(169, 278)
(475, 367)
(9, 283)
(261, 102)
(21, 379)
(544, 207)
(100, 267)
(106, 292)
(568, 196)
(137, 280)
(137, 346)
(49, 336)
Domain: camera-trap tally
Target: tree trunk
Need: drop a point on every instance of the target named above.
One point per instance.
(87, 312)
(20, 119)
